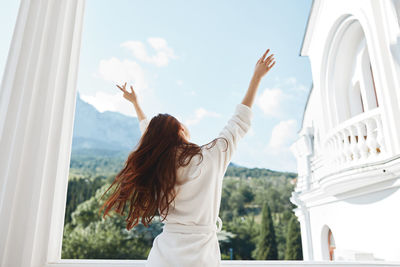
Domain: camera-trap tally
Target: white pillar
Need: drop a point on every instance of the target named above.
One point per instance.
(303, 216)
(37, 105)
(384, 52)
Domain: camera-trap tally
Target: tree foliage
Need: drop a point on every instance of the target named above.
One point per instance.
(293, 242)
(87, 235)
(266, 248)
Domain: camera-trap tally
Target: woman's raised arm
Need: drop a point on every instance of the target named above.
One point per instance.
(240, 122)
(131, 97)
(263, 65)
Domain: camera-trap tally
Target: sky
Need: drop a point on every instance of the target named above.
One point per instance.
(194, 60)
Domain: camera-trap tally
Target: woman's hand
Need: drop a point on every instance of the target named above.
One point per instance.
(264, 64)
(130, 96)
(262, 67)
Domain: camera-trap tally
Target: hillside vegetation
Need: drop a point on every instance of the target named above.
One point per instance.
(255, 210)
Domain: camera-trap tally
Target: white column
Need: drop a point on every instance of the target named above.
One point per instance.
(383, 47)
(37, 105)
(303, 216)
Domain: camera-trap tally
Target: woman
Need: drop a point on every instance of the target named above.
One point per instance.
(169, 175)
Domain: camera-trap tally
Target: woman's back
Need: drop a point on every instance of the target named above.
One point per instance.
(189, 233)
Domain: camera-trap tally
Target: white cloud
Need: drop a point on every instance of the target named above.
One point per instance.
(284, 97)
(295, 85)
(163, 53)
(201, 113)
(270, 101)
(283, 135)
(291, 83)
(291, 80)
(117, 71)
(103, 101)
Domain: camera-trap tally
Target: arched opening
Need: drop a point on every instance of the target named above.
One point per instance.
(328, 244)
(365, 76)
(331, 245)
(349, 78)
(355, 100)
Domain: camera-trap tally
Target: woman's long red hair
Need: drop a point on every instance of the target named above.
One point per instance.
(148, 177)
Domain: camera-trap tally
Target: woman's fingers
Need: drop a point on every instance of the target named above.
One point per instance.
(269, 58)
(122, 89)
(270, 66)
(265, 54)
(132, 89)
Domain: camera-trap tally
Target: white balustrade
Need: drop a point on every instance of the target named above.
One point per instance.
(356, 141)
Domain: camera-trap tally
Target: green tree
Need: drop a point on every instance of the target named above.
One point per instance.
(237, 201)
(80, 190)
(293, 241)
(266, 248)
(89, 236)
(242, 243)
(246, 191)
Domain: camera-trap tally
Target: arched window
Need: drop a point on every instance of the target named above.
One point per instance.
(328, 244)
(350, 81)
(365, 77)
(356, 104)
(373, 83)
(331, 245)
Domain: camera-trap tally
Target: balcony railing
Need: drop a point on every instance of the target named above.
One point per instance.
(354, 142)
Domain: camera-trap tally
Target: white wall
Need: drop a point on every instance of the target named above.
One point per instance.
(368, 224)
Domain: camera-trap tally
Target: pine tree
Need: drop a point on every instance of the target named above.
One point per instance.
(293, 241)
(266, 247)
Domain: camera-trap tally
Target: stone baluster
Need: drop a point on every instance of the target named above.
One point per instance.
(371, 136)
(379, 136)
(347, 147)
(362, 146)
(354, 143)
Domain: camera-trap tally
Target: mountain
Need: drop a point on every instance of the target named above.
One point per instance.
(103, 131)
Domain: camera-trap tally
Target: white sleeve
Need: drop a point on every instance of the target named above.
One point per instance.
(143, 125)
(235, 129)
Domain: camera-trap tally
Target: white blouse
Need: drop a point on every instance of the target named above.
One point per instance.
(189, 232)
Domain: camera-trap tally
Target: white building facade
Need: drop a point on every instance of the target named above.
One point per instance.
(348, 151)
(37, 106)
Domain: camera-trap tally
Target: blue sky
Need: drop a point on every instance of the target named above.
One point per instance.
(8, 16)
(194, 60)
